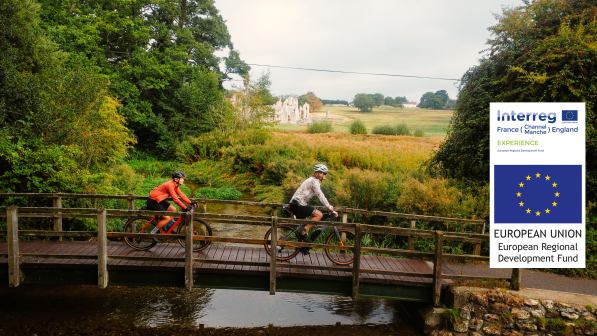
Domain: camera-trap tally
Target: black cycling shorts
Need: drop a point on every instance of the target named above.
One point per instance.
(155, 206)
(302, 211)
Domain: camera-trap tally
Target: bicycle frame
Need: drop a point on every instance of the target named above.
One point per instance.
(171, 228)
(323, 229)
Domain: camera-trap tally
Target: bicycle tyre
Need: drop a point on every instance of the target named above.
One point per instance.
(199, 228)
(284, 252)
(136, 225)
(337, 256)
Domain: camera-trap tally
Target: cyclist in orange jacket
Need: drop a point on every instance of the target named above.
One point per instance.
(157, 199)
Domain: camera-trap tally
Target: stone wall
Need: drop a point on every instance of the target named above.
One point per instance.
(501, 312)
(289, 111)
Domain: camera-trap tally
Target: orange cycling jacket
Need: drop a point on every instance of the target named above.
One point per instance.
(166, 189)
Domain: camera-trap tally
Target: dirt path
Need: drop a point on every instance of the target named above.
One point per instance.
(530, 278)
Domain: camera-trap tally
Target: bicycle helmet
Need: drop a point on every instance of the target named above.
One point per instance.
(320, 168)
(178, 174)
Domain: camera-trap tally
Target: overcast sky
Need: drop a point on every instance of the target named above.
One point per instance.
(433, 38)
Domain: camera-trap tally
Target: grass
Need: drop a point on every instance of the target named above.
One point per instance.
(319, 127)
(430, 122)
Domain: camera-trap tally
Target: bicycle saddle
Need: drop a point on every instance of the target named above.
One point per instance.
(286, 211)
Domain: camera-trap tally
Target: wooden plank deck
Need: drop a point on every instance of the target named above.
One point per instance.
(219, 252)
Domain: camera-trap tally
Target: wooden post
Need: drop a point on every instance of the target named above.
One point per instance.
(411, 240)
(273, 252)
(516, 279)
(102, 249)
(12, 226)
(131, 202)
(188, 265)
(479, 229)
(356, 264)
(437, 267)
(58, 220)
(203, 205)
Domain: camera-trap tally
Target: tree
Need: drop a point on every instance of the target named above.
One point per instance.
(364, 102)
(541, 51)
(158, 56)
(314, 102)
(431, 100)
(400, 100)
(389, 101)
(444, 95)
(378, 98)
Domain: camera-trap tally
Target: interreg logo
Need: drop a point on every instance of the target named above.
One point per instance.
(528, 116)
(570, 115)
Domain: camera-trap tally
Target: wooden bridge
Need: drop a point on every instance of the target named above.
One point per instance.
(376, 272)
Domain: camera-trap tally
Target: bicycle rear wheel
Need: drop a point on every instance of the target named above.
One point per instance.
(139, 225)
(285, 233)
(341, 257)
(200, 228)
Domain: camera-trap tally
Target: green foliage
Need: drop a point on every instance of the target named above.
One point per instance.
(337, 101)
(434, 100)
(364, 102)
(589, 308)
(451, 315)
(559, 326)
(158, 56)
(319, 127)
(400, 100)
(400, 129)
(419, 133)
(389, 101)
(378, 98)
(219, 193)
(357, 127)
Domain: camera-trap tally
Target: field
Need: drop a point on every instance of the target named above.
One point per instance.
(432, 122)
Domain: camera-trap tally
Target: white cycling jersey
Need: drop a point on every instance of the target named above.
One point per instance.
(307, 190)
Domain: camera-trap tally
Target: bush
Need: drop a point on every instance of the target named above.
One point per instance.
(319, 127)
(419, 133)
(219, 193)
(357, 127)
(401, 129)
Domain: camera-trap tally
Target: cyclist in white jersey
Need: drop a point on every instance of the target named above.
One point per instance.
(309, 188)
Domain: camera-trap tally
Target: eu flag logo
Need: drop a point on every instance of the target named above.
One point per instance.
(569, 115)
(538, 194)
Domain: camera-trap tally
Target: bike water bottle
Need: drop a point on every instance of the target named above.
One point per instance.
(169, 225)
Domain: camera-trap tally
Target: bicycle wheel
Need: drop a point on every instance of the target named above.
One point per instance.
(341, 257)
(285, 233)
(200, 228)
(139, 225)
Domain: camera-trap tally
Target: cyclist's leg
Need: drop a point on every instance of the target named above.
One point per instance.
(166, 219)
(161, 206)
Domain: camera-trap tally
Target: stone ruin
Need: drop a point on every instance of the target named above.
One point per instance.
(289, 111)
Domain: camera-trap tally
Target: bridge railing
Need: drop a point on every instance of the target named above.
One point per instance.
(438, 256)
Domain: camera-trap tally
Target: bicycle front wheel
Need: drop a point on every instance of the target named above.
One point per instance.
(200, 228)
(341, 257)
(139, 225)
(285, 233)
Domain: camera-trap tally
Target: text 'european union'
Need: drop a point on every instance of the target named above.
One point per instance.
(538, 194)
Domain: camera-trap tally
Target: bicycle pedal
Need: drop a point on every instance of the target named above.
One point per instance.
(306, 252)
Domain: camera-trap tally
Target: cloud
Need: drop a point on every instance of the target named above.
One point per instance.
(434, 38)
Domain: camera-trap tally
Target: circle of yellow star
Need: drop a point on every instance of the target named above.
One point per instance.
(537, 213)
(546, 210)
(521, 204)
(518, 194)
(528, 177)
(547, 178)
(528, 210)
(554, 184)
(521, 184)
(538, 175)
(557, 194)
(554, 204)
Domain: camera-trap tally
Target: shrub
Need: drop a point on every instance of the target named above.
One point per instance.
(219, 193)
(419, 133)
(319, 127)
(357, 127)
(400, 129)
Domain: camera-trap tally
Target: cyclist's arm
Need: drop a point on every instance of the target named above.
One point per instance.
(321, 196)
(172, 192)
(183, 196)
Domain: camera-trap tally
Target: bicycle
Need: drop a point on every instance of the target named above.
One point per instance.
(144, 224)
(288, 232)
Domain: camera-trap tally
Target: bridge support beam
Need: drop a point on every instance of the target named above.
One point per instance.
(437, 268)
(356, 264)
(516, 279)
(58, 219)
(188, 265)
(411, 240)
(12, 226)
(102, 249)
(273, 252)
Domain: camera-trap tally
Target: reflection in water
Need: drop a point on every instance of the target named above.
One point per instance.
(156, 307)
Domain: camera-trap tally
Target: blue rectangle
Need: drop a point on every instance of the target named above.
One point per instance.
(538, 194)
(569, 115)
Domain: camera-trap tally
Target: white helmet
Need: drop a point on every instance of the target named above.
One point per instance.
(320, 168)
